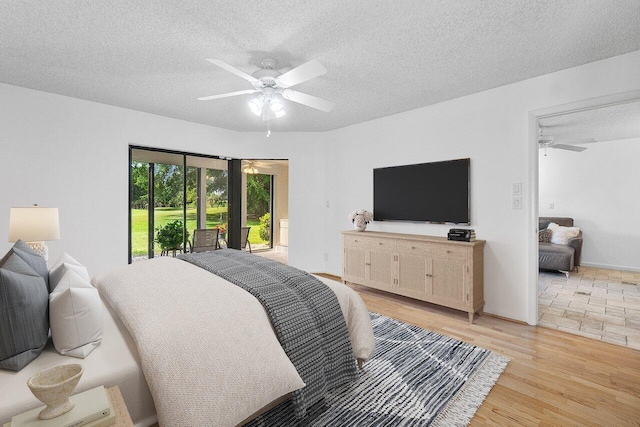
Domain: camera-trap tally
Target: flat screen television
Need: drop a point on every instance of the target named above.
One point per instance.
(434, 192)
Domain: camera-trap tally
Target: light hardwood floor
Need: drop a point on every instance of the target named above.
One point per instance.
(553, 378)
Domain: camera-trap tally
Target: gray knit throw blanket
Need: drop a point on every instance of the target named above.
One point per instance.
(305, 315)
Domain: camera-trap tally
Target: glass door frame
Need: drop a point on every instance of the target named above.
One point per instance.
(151, 189)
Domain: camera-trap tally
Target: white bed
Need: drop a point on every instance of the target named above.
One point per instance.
(114, 362)
(117, 359)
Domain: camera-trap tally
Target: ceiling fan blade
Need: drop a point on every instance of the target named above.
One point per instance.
(233, 70)
(577, 141)
(569, 147)
(304, 72)
(226, 95)
(308, 100)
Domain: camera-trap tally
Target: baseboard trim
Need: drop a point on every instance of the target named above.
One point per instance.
(610, 267)
(508, 319)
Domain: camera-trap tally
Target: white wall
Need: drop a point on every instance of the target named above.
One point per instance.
(492, 129)
(58, 151)
(307, 157)
(72, 154)
(598, 188)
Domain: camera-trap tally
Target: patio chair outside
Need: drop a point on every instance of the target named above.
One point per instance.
(244, 238)
(204, 240)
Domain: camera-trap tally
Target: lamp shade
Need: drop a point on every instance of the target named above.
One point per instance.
(34, 224)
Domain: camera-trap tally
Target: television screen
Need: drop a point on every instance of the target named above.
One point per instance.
(436, 192)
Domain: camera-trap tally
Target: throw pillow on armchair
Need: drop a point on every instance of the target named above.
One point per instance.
(544, 236)
(561, 235)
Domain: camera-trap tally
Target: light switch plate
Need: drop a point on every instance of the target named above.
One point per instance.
(516, 203)
(516, 189)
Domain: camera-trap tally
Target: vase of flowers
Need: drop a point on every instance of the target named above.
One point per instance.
(360, 218)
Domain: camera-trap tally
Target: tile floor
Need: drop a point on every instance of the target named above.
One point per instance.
(595, 303)
(276, 254)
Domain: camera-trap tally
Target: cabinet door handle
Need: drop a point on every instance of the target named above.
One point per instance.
(448, 251)
(429, 275)
(413, 247)
(380, 243)
(367, 263)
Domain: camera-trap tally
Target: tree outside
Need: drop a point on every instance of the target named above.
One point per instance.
(168, 200)
(258, 207)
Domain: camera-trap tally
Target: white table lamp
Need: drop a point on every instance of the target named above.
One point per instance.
(34, 225)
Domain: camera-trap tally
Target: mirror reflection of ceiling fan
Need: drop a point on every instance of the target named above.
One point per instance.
(251, 166)
(272, 87)
(548, 141)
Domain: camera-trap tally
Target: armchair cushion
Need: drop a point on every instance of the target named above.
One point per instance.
(556, 257)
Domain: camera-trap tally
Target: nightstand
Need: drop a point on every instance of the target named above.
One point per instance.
(122, 413)
(117, 402)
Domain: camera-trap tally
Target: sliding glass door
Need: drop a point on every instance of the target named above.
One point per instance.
(171, 195)
(207, 195)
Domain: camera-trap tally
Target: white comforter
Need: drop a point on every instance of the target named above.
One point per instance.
(206, 346)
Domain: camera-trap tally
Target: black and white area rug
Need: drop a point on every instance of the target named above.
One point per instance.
(415, 378)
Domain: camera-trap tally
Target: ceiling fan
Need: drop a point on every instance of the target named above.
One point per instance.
(251, 166)
(272, 86)
(547, 141)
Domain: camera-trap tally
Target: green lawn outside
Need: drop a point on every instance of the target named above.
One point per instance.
(139, 225)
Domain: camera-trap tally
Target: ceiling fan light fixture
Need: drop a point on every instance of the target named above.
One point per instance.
(256, 105)
(276, 106)
(250, 169)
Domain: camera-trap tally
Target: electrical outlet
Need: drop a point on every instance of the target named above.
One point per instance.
(327, 203)
(326, 256)
(551, 206)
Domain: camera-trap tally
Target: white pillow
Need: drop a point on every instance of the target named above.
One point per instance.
(66, 262)
(562, 235)
(75, 315)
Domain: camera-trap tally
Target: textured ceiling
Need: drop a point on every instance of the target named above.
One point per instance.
(382, 57)
(608, 123)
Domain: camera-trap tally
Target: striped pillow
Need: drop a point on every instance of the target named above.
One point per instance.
(544, 236)
(24, 316)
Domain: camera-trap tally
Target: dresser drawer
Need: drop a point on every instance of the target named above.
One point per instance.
(370, 243)
(436, 250)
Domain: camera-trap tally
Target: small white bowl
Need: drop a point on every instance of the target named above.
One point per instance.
(53, 387)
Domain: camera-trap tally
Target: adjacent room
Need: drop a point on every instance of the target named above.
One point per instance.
(278, 214)
(589, 283)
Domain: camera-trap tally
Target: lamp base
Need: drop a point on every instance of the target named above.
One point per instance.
(40, 248)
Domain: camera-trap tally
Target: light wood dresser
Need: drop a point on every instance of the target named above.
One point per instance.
(427, 268)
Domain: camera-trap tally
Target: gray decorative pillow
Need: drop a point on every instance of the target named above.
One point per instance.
(544, 236)
(35, 261)
(24, 313)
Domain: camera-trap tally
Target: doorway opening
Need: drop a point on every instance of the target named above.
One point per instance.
(588, 285)
(266, 204)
